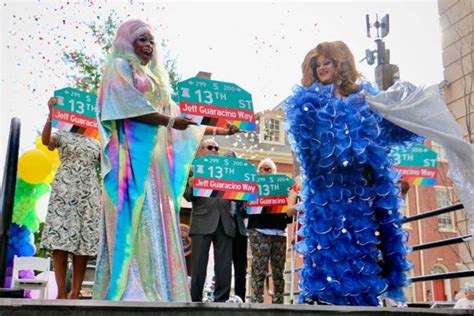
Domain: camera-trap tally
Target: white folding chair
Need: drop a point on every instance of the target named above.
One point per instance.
(35, 264)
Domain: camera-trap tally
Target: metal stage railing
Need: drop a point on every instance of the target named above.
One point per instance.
(438, 211)
(440, 243)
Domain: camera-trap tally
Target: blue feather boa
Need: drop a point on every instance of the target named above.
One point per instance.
(353, 244)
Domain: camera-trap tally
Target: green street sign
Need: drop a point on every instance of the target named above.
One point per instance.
(272, 196)
(215, 103)
(224, 177)
(76, 101)
(274, 184)
(416, 156)
(75, 112)
(417, 165)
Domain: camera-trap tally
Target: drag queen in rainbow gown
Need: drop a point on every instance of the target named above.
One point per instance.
(147, 149)
(353, 243)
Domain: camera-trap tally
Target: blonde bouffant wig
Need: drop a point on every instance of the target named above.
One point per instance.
(346, 72)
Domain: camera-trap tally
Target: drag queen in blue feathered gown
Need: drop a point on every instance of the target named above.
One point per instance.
(353, 244)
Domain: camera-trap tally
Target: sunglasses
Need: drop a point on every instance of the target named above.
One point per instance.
(211, 148)
(266, 168)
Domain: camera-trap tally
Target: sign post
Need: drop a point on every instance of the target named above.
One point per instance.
(215, 103)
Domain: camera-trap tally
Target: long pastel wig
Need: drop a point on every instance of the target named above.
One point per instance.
(122, 47)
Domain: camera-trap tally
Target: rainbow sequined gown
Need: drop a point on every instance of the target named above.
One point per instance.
(144, 170)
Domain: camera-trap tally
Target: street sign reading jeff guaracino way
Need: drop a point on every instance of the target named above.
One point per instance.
(215, 103)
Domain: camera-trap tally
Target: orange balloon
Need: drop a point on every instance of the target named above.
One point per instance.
(34, 166)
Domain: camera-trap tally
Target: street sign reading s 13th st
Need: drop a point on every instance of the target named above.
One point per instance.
(224, 177)
(75, 112)
(215, 103)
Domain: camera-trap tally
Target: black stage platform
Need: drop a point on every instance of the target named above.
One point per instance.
(27, 307)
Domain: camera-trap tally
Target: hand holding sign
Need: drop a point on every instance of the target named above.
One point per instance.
(51, 102)
(233, 129)
(216, 103)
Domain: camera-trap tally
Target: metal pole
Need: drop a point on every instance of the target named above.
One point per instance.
(293, 253)
(441, 243)
(442, 276)
(420, 238)
(434, 212)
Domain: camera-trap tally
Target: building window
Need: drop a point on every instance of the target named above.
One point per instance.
(439, 150)
(443, 199)
(271, 130)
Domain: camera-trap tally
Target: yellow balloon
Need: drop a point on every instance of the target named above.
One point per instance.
(53, 155)
(50, 178)
(34, 166)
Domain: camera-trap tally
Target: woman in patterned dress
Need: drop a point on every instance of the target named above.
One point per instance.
(71, 225)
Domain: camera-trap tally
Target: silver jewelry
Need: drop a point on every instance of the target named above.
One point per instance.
(171, 122)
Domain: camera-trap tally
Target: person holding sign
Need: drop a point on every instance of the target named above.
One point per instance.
(353, 243)
(267, 234)
(73, 210)
(147, 150)
(211, 222)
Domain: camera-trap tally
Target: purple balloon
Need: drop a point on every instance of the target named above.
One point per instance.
(8, 281)
(26, 274)
(27, 294)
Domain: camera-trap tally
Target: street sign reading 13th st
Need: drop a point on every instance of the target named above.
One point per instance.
(418, 165)
(75, 112)
(215, 103)
(224, 177)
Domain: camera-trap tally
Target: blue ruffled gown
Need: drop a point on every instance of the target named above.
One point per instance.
(354, 246)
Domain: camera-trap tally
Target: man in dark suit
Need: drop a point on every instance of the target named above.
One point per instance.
(239, 244)
(211, 222)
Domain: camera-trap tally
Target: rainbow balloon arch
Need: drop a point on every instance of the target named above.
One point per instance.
(36, 169)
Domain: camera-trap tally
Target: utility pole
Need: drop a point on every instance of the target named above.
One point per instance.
(385, 73)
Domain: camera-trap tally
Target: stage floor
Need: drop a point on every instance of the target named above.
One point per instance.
(28, 307)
